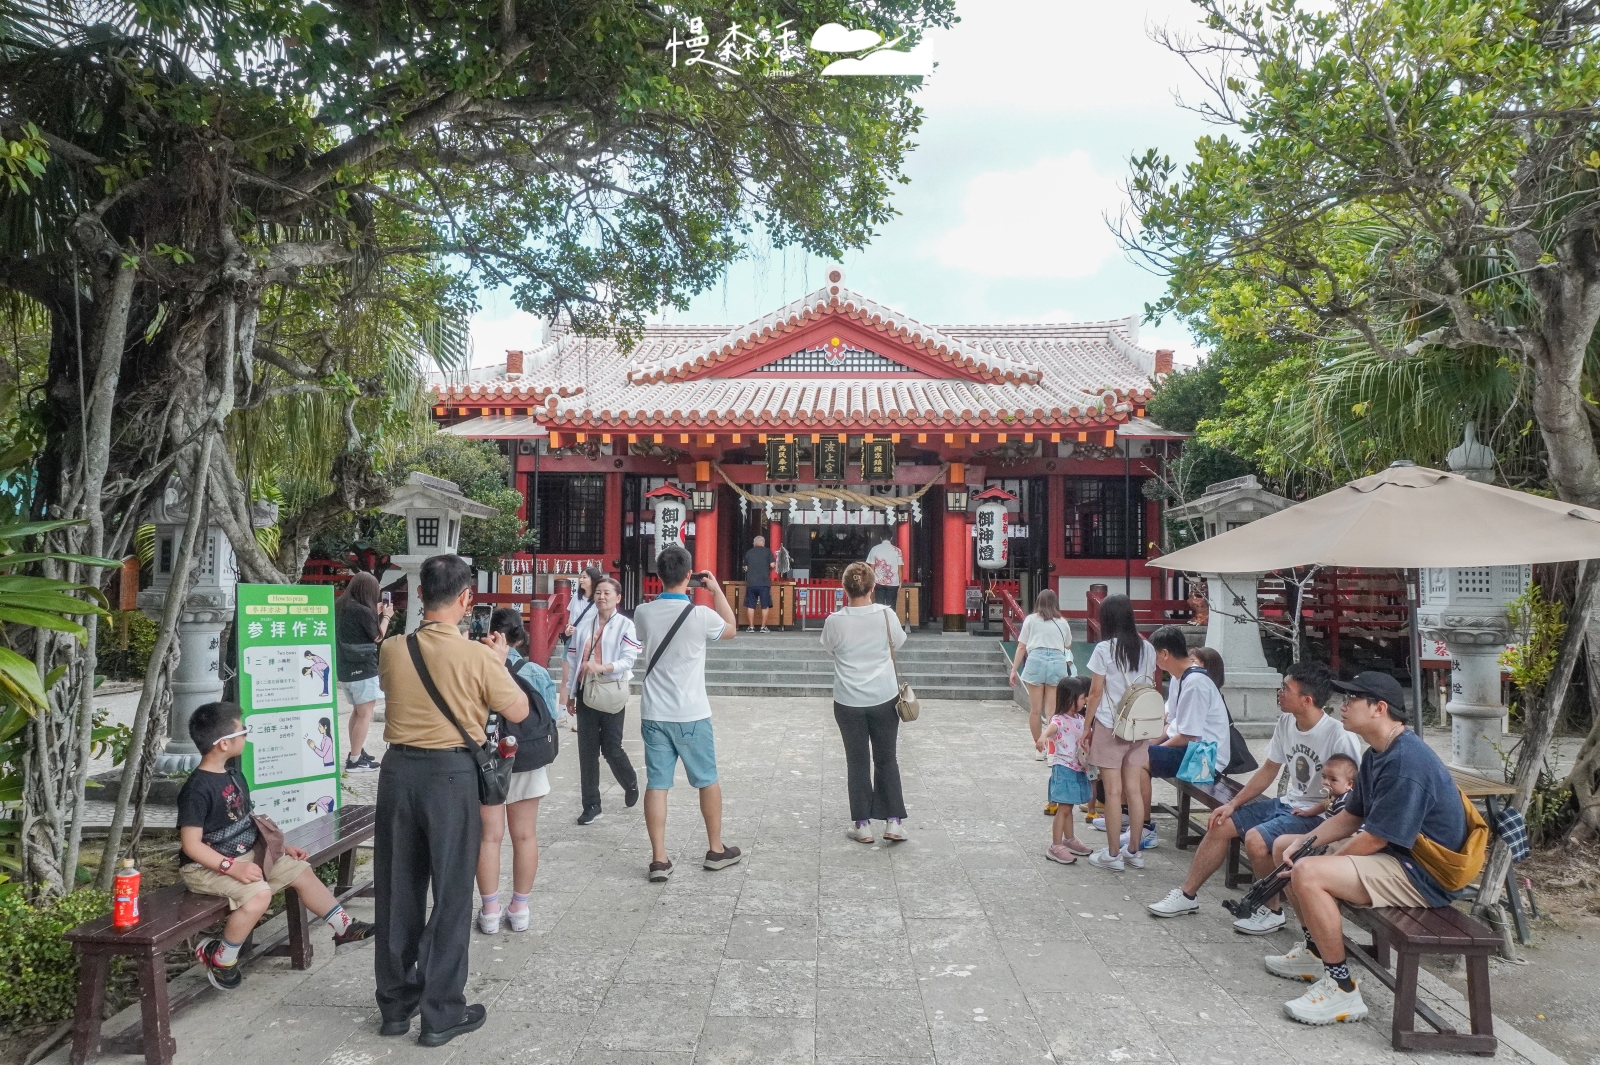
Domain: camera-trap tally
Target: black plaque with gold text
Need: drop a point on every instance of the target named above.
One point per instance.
(877, 460)
(828, 459)
(783, 460)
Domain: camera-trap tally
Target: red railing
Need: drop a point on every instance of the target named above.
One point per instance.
(990, 590)
(816, 598)
(649, 588)
(1148, 614)
(546, 625)
(325, 571)
(1011, 615)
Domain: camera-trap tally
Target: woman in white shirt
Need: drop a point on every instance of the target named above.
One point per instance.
(1119, 660)
(605, 644)
(580, 608)
(861, 638)
(1043, 659)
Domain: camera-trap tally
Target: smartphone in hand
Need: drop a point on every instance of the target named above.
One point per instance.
(481, 613)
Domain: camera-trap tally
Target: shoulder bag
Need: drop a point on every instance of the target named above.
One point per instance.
(605, 692)
(1454, 870)
(538, 739)
(1141, 712)
(905, 703)
(494, 772)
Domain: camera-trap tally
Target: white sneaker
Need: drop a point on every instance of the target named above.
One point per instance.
(1324, 1003)
(1259, 923)
(1148, 840)
(1134, 860)
(518, 920)
(893, 831)
(1176, 904)
(489, 923)
(1104, 859)
(861, 833)
(1098, 824)
(1298, 964)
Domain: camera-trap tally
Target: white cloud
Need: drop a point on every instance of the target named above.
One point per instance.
(496, 332)
(1047, 221)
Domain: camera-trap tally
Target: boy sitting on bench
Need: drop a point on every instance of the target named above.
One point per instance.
(219, 837)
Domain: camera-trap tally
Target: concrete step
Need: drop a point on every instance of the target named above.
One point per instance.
(779, 673)
(1001, 694)
(816, 661)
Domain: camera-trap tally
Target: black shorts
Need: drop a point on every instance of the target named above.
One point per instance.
(758, 597)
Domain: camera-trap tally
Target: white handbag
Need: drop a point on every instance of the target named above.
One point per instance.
(605, 692)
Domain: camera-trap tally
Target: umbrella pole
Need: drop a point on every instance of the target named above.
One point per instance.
(1414, 597)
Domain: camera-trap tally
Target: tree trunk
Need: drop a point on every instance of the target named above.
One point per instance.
(96, 459)
(173, 610)
(1584, 779)
(1540, 726)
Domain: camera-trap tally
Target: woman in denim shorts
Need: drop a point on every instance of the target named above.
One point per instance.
(1043, 659)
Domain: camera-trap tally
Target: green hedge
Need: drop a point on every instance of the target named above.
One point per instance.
(38, 972)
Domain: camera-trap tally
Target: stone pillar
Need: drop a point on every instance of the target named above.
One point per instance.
(1466, 608)
(1232, 631)
(197, 679)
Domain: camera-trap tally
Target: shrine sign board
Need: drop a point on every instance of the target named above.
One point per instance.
(877, 460)
(828, 459)
(783, 460)
(288, 689)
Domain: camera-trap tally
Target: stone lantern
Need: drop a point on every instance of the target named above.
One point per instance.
(433, 508)
(1232, 629)
(206, 612)
(1466, 609)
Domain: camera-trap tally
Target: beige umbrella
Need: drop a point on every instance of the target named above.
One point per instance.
(1407, 517)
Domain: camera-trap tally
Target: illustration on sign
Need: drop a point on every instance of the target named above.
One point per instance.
(287, 681)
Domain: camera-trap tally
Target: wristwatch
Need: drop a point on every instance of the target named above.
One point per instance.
(227, 863)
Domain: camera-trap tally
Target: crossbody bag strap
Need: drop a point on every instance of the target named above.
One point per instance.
(676, 625)
(894, 659)
(583, 615)
(433, 690)
(597, 650)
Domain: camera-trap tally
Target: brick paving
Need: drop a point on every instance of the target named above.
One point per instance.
(962, 945)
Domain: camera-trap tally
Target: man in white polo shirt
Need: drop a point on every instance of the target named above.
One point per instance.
(674, 710)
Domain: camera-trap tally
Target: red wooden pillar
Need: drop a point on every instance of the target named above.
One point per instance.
(705, 546)
(774, 537)
(903, 541)
(1056, 526)
(953, 552)
(613, 520)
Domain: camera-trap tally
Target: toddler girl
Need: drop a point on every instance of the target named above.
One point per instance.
(1062, 739)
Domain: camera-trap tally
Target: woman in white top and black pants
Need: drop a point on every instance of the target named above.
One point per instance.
(604, 643)
(860, 638)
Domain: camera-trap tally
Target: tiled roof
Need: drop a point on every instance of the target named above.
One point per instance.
(1076, 373)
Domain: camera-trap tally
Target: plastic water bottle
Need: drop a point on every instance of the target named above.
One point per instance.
(125, 896)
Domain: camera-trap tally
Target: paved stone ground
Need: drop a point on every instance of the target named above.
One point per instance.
(962, 945)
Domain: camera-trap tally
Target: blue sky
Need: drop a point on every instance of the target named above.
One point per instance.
(1031, 117)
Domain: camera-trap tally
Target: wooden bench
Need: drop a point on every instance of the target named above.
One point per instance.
(170, 915)
(1411, 933)
(1190, 831)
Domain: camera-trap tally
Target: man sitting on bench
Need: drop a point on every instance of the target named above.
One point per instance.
(1304, 738)
(1404, 801)
(218, 837)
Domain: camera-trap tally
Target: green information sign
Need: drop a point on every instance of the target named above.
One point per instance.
(288, 688)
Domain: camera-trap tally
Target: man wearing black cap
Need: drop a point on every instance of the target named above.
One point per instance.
(1402, 791)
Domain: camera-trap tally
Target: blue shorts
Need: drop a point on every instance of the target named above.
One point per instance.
(758, 597)
(1069, 786)
(1272, 818)
(666, 742)
(1044, 666)
(1164, 761)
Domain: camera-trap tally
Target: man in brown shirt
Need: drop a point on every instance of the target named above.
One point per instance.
(428, 815)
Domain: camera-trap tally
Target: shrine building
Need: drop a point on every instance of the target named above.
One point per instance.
(828, 425)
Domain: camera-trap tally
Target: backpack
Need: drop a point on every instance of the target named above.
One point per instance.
(1141, 713)
(538, 739)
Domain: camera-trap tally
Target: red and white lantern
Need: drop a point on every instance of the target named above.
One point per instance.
(990, 528)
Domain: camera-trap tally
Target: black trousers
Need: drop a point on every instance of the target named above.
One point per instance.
(601, 734)
(886, 594)
(870, 734)
(428, 826)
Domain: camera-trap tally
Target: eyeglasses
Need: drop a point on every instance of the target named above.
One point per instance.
(233, 735)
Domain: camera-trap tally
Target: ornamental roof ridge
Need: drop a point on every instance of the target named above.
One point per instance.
(834, 298)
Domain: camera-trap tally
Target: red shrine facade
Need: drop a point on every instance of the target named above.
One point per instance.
(829, 425)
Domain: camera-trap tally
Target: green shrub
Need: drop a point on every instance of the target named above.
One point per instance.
(38, 972)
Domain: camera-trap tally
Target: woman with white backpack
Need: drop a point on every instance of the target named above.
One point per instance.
(1123, 695)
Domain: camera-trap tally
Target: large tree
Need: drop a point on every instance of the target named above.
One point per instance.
(226, 206)
(1419, 179)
